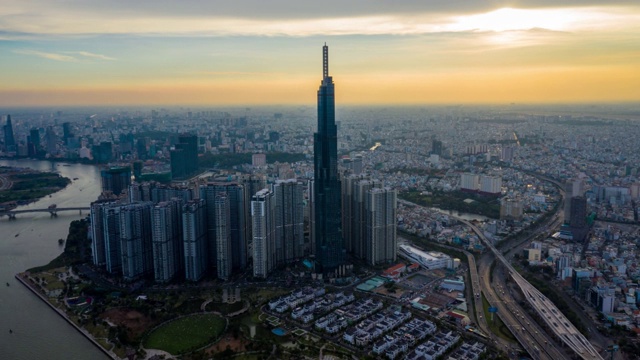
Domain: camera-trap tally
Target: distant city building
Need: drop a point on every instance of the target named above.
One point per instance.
(259, 160)
(578, 218)
(436, 147)
(116, 179)
(469, 182)
(490, 185)
(194, 237)
(33, 142)
(184, 158)
(9, 139)
(511, 209)
(380, 242)
(66, 132)
(102, 153)
(562, 262)
(289, 220)
(52, 141)
(507, 153)
(137, 169)
(262, 211)
(167, 240)
(572, 188)
(484, 184)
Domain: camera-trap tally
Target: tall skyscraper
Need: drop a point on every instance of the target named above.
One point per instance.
(330, 252)
(166, 233)
(289, 220)
(9, 139)
(235, 194)
(194, 236)
(52, 141)
(251, 184)
(356, 213)
(380, 243)
(116, 179)
(135, 240)
(184, 159)
(111, 228)
(33, 143)
(98, 246)
(222, 214)
(262, 210)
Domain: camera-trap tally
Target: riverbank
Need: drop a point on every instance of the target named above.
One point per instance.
(22, 278)
(21, 186)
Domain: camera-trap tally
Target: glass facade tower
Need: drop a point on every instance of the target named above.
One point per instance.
(330, 252)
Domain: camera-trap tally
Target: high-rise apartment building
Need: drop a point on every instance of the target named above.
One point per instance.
(135, 240)
(166, 226)
(222, 212)
(112, 246)
(380, 245)
(355, 218)
(289, 220)
(235, 196)
(116, 179)
(330, 252)
(98, 246)
(262, 211)
(194, 237)
(251, 184)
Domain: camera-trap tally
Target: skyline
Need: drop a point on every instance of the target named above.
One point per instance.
(417, 52)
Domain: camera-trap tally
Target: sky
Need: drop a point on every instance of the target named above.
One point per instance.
(257, 52)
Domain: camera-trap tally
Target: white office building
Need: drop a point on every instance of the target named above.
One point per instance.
(262, 210)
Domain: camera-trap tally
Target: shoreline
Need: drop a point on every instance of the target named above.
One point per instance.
(62, 314)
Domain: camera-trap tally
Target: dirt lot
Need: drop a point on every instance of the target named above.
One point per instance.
(134, 321)
(237, 345)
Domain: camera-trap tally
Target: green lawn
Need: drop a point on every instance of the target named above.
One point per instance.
(186, 334)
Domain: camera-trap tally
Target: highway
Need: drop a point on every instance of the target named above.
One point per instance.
(554, 319)
(533, 338)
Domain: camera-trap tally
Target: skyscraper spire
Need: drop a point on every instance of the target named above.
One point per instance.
(325, 61)
(330, 253)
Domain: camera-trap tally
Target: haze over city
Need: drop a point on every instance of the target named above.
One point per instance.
(250, 52)
(417, 180)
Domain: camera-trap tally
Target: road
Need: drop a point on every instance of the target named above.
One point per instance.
(554, 319)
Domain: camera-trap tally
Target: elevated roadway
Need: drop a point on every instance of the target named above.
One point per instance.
(554, 319)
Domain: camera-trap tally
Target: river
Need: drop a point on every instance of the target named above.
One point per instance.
(37, 331)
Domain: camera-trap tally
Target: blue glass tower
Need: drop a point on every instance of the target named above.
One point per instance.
(330, 252)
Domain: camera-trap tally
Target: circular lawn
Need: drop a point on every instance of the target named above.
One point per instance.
(186, 334)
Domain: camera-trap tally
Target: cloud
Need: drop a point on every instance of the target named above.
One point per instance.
(92, 55)
(47, 55)
(235, 73)
(405, 18)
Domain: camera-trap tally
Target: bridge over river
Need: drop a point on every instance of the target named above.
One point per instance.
(51, 210)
